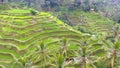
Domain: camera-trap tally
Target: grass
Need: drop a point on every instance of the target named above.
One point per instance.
(18, 11)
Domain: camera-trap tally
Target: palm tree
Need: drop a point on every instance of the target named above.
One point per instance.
(113, 49)
(36, 57)
(90, 51)
(62, 54)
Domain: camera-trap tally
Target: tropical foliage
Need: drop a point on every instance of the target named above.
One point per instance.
(30, 39)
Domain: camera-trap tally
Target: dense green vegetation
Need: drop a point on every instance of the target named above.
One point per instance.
(88, 22)
(43, 41)
(107, 8)
(21, 34)
(59, 34)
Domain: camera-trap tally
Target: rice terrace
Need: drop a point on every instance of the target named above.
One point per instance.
(59, 34)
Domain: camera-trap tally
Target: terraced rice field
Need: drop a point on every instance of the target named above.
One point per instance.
(21, 33)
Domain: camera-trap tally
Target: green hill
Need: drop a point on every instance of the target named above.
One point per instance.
(87, 22)
(30, 39)
(21, 33)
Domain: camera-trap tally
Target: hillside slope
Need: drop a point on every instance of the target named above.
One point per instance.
(21, 34)
(29, 40)
(87, 22)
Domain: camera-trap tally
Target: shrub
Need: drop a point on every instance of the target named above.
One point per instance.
(33, 12)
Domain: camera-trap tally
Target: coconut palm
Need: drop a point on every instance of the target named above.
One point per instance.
(90, 51)
(62, 53)
(113, 50)
(36, 57)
